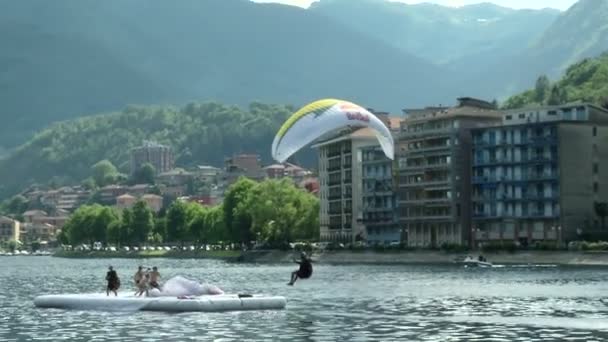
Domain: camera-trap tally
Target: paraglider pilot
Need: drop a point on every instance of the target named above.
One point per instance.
(305, 270)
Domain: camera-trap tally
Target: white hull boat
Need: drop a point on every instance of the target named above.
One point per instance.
(471, 262)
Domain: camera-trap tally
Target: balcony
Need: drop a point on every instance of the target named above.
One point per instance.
(491, 161)
(430, 149)
(379, 223)
(427, 201)
(426, 218)
(377, 176)
(445, 131)
(485, 179)
(438, 185)
(375, 161)
(376, 193)
(378, 209)
(543, 140)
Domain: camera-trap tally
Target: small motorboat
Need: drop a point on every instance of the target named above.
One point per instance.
(476, 262)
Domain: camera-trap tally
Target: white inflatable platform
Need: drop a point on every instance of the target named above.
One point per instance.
(207, 303)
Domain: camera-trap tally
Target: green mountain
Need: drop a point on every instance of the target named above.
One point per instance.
(199, 133)
(580, 32)
(492, 51)
(585, 81)
(455, 37)
(64, 59)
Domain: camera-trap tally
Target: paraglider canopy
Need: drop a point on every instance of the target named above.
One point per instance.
(324, 116)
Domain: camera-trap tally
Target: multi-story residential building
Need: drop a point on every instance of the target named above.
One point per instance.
(127, 201)
(9, 229)
(341, 213)
(434, 171)
(379, 198)
(65, 198)
(537, 175)
(43, 232)
(159, 156)
(286, 170)
(246, 165)
(175, 177)
(208, 174)
(153, 201)
(57, 219)
(108, 194)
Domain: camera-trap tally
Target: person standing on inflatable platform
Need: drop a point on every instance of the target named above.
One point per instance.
(305, 270)
(154, 277)
(113, 282)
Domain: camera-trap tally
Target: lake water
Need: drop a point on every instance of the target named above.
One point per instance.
(339, 303)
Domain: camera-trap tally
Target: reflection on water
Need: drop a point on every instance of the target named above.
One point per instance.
(339, 303)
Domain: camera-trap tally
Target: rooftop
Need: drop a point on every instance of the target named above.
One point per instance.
(151, 196)
(35, 213)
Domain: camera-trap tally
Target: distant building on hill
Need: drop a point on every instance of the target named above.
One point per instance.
(9, 229)
(246, 165)
(127, 201)
(159, 156)
(65, 198)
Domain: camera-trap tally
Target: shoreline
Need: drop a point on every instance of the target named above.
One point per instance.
(562, 258)
(220, 255)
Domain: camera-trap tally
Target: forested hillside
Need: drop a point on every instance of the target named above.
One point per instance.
(198, 133)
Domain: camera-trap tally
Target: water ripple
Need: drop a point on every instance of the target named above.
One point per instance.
(340, 303)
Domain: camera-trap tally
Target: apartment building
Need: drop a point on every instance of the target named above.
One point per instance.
(379, 198)
(159, 156)
(434, 182)
(537, 175)
(340, 194)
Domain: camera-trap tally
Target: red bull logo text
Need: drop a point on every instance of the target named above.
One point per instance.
(357, 116)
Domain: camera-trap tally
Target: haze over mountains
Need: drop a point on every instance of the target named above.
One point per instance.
(68, 58)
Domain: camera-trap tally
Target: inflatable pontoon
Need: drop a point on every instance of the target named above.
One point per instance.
(208, 303)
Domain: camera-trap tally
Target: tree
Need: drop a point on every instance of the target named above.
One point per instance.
(177, 222)
(79, 226)
(542, 89)
(557, 96)
(236, 214)
(89, 184)
(104, 173)
(17, 205)
(200, 228)
(282, 213)
(604, 102)
(143, 222)
(145, 174)
(104, 217)
(35, 246)
(12, 245)
(126, 226)
(114, 233)
(601, 210)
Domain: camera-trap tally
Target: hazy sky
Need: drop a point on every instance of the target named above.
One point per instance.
(559, 4)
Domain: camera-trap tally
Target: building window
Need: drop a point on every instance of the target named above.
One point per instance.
(522, 116)
(552, 112)
(596, 187)
(508, 117)
(594, 131)
(596, 168)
